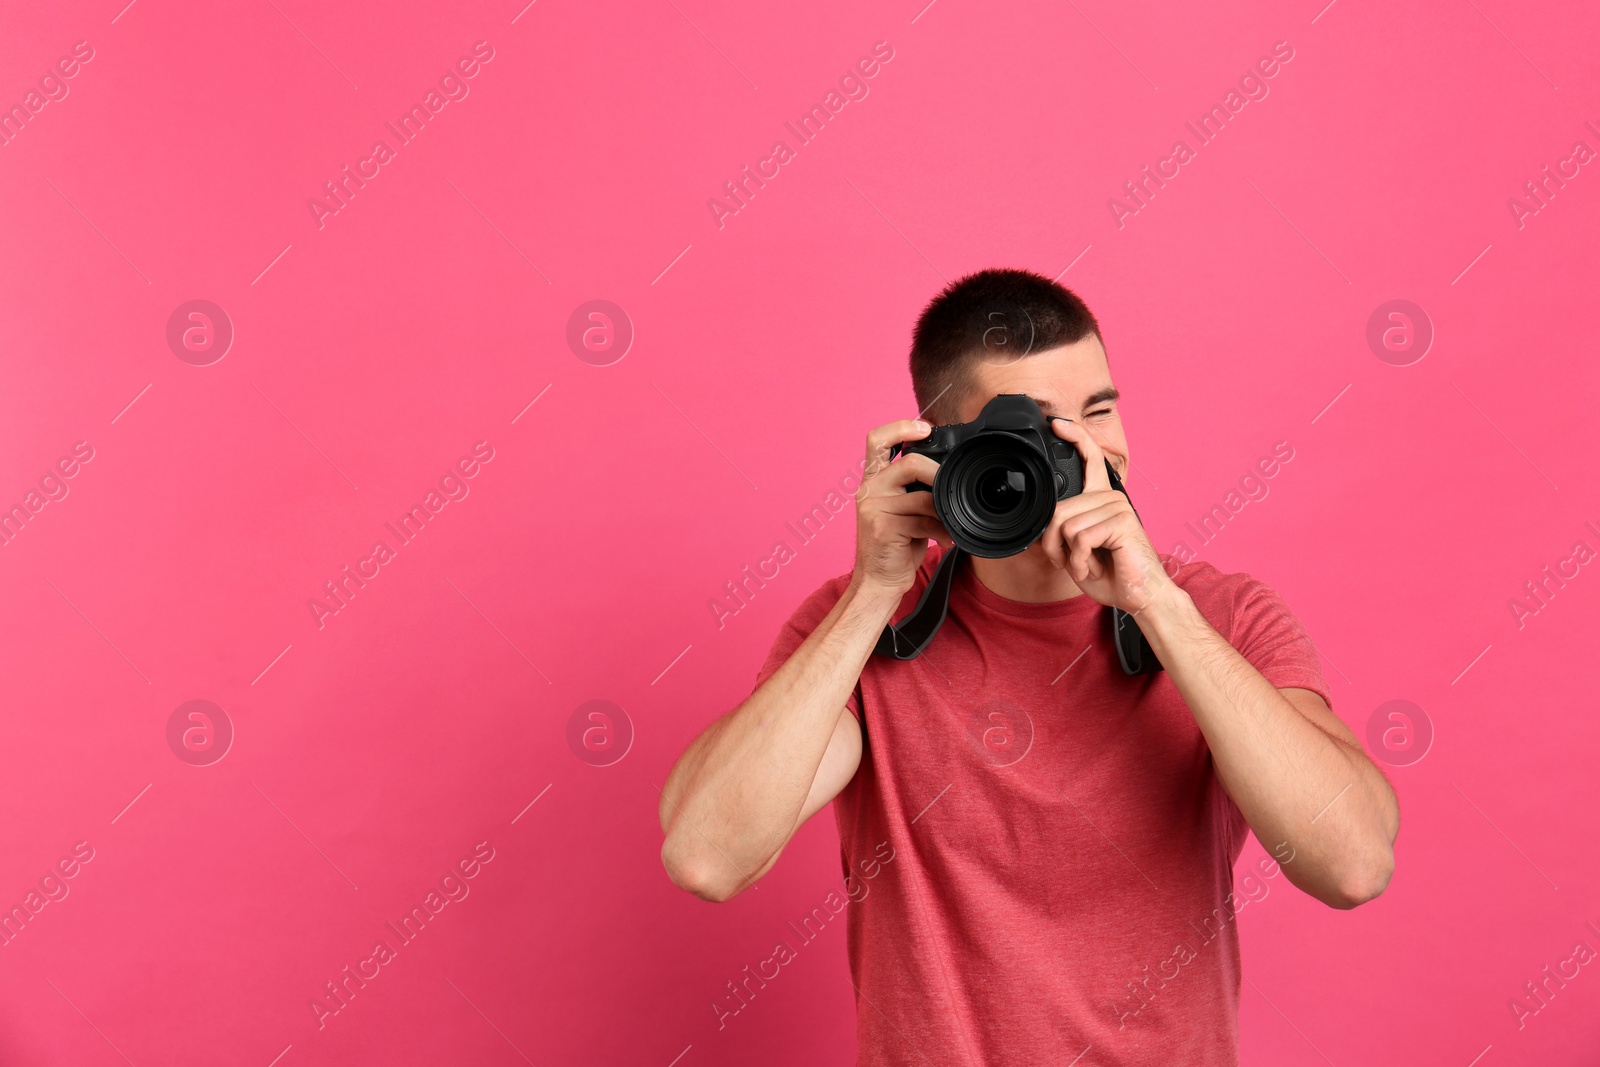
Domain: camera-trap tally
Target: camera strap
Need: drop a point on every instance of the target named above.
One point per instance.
(909, 638)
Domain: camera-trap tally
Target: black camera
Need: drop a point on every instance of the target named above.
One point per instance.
(1000, 476)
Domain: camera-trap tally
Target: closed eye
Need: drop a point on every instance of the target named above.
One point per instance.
(1102, 411)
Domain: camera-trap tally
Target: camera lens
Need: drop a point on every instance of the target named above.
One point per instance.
(1001, 489)
(995, 493)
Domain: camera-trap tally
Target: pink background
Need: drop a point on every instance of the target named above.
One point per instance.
(373, 753)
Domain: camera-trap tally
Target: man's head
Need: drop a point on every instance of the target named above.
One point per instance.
(1013, 331)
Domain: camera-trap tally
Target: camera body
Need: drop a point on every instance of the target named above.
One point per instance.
(1000, 476)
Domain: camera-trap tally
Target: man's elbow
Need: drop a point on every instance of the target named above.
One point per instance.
(1362, 882)
(693, 874)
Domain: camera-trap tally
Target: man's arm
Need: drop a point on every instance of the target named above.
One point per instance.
(1296, 772)
(1294, 769)
(744, 786)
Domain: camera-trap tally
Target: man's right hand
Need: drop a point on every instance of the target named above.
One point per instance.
(893, 527)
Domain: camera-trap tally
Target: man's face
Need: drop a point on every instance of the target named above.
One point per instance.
(1072, 381)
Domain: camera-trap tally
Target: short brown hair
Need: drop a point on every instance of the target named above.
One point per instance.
(1004, 313)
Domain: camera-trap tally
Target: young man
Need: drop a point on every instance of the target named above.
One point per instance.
(1050, 840)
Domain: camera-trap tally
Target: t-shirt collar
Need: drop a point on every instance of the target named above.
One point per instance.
(970, 586)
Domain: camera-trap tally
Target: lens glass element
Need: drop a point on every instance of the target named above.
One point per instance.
(1000, 489)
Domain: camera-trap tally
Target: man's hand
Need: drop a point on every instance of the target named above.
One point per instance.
(893, 526)
(1098, 540)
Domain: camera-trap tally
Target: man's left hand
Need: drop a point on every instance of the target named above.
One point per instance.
(1098, 540)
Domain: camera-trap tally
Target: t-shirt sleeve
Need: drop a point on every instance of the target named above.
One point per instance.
(812, 610)
(1268, 634)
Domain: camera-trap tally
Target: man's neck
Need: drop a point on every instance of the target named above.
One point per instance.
(1028, 577)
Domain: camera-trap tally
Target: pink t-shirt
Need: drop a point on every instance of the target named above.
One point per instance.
(1037, 850)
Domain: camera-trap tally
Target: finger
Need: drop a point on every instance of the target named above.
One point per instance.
(1053, 543)
(912, 511)
(900, 530)
(1081, 563)
(919, 527)
(1100, 529)
(1094, 458)
(1056, 540)
(910, 467)
(885, 437)
(1090, 500)
(1061, 537)
(1074, 524)
(904, 504)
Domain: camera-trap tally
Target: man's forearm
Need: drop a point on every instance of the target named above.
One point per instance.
(734, 797)
(1293, 781)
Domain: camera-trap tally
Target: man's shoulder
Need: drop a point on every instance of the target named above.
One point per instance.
(1224, 595)
(1217, 591)
(1201, 579)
